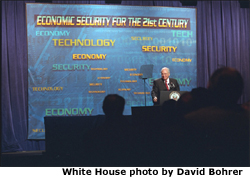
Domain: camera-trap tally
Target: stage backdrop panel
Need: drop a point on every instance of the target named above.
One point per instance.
(77, 54)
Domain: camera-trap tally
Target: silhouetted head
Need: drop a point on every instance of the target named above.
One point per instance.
(226, 84)
(113, 105)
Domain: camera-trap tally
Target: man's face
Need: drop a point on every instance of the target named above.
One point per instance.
(165, 74)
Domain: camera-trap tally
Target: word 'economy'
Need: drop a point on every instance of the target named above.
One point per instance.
(68, 111)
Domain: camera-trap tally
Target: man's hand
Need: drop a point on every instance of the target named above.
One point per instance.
(155, 99)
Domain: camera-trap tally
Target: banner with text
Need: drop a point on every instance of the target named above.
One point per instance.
(78, 54)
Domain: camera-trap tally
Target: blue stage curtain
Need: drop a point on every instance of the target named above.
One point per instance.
(14, 73)
(223, 39)
(223, 33)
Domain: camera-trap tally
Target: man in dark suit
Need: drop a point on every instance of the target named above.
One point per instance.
(163, 83)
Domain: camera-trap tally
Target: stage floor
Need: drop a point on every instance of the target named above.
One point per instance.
(23, 153)
(22, 159)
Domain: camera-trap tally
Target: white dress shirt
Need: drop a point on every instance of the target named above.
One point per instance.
(167, 83)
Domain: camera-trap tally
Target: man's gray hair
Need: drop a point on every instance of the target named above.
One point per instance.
(165, 68)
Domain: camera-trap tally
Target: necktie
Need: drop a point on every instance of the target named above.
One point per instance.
(166, 85)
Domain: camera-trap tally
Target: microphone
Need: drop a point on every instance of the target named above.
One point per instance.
(171, 85)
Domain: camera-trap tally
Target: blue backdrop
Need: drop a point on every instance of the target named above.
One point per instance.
(72, 67)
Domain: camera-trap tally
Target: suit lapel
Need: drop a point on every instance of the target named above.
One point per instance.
(163, 84)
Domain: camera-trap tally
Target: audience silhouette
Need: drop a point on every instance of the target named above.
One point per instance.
(205, 127)
(224, 89)
(108, 144)
(215, 125)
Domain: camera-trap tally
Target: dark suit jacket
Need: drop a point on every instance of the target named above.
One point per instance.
(159, 85)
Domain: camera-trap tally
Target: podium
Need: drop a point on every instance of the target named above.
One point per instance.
(167, 95)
